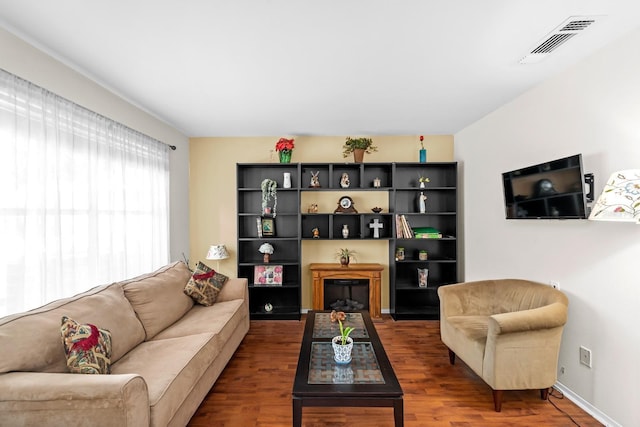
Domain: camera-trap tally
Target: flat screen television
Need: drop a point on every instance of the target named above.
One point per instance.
(550, 190)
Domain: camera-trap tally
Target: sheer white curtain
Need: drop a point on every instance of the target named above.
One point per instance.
(84, 200)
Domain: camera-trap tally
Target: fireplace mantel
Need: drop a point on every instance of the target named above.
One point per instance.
(372, 272)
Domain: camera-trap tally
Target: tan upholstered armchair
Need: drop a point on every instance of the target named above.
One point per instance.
(507, 331)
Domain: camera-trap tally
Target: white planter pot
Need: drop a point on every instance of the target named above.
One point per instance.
(342, 353)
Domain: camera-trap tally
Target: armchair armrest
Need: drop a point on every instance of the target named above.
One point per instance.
(547, 317)
(35, 398)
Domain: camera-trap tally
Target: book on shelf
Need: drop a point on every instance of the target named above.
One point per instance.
(427, 233)
(403, 229)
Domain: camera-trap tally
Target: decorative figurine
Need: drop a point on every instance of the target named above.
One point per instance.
(376, 182)
(423, 205)
(315, 181)
(344, 181)
(313, 208)
(316, 233)
(376, 225)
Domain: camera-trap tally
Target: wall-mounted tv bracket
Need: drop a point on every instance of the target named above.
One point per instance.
(588, 179)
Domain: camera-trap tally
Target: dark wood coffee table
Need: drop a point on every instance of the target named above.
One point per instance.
(368, 380)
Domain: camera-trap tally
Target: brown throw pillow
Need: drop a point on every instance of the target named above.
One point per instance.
(87, 347)
(205, 285)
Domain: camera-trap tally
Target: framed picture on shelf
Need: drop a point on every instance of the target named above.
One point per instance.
(268, 227)
(268, 275)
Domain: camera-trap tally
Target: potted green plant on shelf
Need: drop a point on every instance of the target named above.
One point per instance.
(358, 146)
(269, 191)
(342, 344)
(345, 255)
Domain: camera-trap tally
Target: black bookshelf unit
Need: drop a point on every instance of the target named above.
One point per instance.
(293, 223)
(407, 299)
(270, 300)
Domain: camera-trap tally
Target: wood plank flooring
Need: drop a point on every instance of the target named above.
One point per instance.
(255, 387)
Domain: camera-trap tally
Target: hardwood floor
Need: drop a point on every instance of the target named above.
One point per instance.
(255, 387)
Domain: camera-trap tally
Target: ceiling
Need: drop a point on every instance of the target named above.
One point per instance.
(297, 67)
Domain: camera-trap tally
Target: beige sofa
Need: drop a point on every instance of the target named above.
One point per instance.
(507, 331)
(167, 353)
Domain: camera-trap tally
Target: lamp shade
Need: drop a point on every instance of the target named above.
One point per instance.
(217, 252)
(620, 198)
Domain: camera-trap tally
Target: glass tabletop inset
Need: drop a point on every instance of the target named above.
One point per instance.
(363, 368)
(323, 327)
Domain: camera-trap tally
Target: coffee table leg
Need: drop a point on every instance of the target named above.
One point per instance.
(398, 412)
(297, 412)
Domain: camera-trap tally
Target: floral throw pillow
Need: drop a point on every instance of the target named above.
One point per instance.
(87, 347)
(205, 285)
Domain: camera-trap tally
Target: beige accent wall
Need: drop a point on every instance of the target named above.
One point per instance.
(213, 193)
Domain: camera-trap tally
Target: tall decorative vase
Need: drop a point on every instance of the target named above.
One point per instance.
(287, 180)
(358, 155)
(423, 155)
(285, 156)
(345, 231)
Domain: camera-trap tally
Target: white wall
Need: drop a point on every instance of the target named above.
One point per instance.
(592, 108)
(31, 64)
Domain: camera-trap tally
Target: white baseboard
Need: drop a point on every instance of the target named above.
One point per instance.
(586, 406)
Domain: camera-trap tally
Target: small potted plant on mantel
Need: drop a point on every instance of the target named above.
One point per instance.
(358, 146)
(345, 255)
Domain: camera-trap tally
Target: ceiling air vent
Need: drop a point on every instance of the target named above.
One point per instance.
(556, 38)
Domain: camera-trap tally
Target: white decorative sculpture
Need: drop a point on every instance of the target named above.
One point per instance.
(344, 181)
(423, 205)
(376, 225)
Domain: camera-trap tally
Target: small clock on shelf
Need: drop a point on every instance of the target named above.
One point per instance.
(345, 205)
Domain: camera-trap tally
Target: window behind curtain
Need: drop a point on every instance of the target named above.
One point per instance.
(84, 200)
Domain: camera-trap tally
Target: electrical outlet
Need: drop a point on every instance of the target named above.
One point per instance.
(585, 356)
(562, 370)
(554, 284)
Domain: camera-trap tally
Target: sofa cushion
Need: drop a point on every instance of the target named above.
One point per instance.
(39, 329)
(158, 298)
(170, 368)
(87, 347)
(205, 284)
(221, 318)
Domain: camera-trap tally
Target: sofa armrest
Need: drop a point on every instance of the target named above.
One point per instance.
(235, 288)
(547, 317)
(34, 398)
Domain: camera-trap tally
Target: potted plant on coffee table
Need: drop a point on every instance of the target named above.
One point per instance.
(358, 146)
(342, 344)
